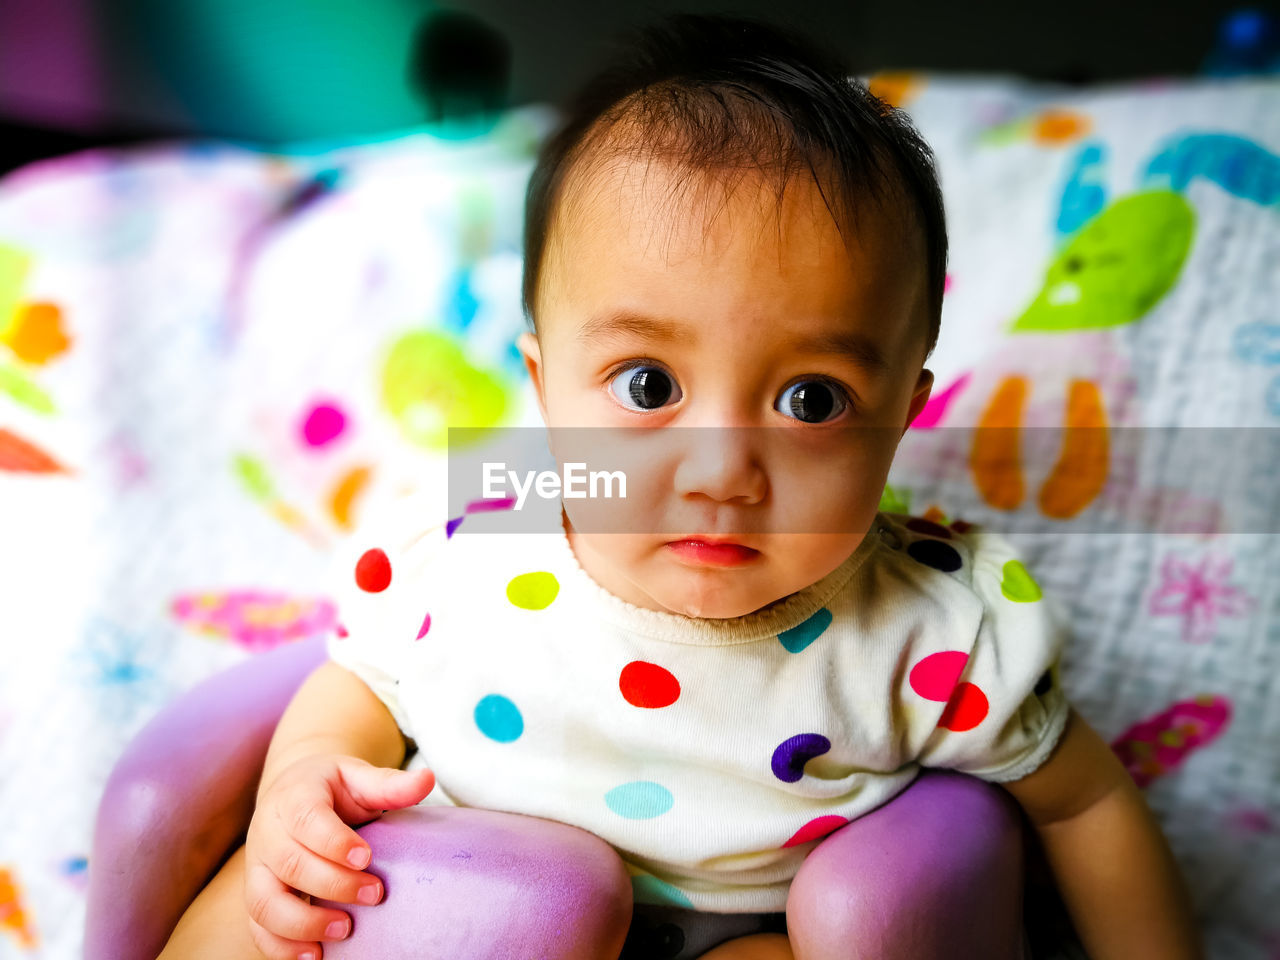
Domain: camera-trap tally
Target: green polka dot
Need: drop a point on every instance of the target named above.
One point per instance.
(533, 591)
(646, 888)
(1017, 584)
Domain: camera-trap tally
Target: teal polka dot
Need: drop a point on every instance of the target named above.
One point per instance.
(639, 800)
(797, 638)
(499, 719)
(646, 888)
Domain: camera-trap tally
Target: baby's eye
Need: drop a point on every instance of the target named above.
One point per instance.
(813, 401)
(644, 388)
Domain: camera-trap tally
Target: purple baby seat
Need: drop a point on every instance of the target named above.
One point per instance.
(937, 871)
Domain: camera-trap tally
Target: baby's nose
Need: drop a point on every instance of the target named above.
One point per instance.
(721, 463)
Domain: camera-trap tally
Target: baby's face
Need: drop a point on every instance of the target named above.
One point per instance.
(798, 360)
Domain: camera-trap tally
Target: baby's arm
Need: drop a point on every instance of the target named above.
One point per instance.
(333, 762)
(1115, 870)
(334, 711)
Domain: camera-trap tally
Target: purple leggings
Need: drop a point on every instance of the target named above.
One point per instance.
(935, 872)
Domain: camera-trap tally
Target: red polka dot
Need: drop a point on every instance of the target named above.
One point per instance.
(966, 709)
(648, 685)
(815, 828)
(921, 525)
(373, 571)
(426, 625)
(935, 677)
(341, 631)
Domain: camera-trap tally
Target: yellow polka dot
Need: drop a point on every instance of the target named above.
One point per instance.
(533, 591)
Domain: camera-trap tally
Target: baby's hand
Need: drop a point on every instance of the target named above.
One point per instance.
(299, 845)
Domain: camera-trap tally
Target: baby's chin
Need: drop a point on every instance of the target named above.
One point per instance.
(716, 604)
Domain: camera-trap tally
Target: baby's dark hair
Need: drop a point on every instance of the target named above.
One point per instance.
(714, 93)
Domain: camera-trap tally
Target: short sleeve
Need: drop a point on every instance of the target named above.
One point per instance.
(1006, 710)
(378, 581)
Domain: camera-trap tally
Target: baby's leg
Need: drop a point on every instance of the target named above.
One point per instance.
(935, 872)
(215, 926)
(460, 883)
(758, 946)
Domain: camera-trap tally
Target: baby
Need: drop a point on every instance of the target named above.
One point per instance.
(727, 234)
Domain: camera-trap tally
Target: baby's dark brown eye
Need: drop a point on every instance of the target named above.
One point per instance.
(644, 388)
(812, 401)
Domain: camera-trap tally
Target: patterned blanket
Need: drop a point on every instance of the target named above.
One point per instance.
(211, 358)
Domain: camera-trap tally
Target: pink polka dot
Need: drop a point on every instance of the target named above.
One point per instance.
(426, 625)
(341, 631)
(486, 506)
(936, 675)
(815, 828)
(324, 424)
(373, 571)
(966, 708)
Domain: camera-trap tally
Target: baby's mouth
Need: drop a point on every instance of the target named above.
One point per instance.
(711, 551)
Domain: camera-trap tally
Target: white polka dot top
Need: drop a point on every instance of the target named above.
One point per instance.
(713, 755)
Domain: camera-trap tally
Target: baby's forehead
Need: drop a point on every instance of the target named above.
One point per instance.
(686, 209)
(629, 227)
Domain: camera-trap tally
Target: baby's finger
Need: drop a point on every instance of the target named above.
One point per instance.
(314, 824)
(284, 926)
(371, 790)
(278, 948)
(305, 870)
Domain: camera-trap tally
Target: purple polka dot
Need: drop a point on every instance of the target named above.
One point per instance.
(451, 526)
(934, 553)
(793, 753)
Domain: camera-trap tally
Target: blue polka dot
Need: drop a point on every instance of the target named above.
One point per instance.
(499, 719)
(639, 800)
(646, 888)
(797, 638)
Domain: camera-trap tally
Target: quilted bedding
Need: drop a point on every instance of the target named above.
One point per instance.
(211, 358)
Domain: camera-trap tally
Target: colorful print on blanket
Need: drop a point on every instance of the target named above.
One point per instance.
(210, 360)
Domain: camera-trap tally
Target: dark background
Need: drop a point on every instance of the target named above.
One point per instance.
(77, 73)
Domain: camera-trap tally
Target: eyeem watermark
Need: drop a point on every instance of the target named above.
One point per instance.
(1010, 480)
(549, 485)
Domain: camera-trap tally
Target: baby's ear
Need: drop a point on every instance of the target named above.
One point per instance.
(531, 351)
(919, 396)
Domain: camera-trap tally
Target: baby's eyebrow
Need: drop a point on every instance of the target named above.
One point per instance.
(626, 323)
(862, 350)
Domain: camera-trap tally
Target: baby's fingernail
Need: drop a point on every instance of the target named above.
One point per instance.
(358, 857)
(336, 930)
(368, 895)
(307, 955)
